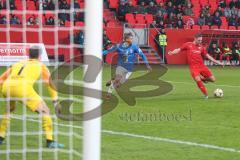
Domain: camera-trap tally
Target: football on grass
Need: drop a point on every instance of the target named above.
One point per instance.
(218, 93)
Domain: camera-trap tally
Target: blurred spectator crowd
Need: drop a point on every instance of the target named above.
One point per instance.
(183, 13)
(223, 14)
(49, 17)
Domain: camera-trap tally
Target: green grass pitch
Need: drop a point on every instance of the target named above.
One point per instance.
(205, 129)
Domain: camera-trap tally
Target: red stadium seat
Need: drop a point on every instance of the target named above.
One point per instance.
(82, 5)
(78, 56)
(32, 37)
(204, 2)
(65, 52)
(19, 5)
(213, 4)
(214, 27)
(63, 37)
(76, 31)
(131, 21)
(224, 27)
(159, 1)
(205, 27)
(232, 28)
(80, 24)
(16, 37)
(31, 5)
(196, 27)
(48, 37)
(129, 16)
(49, 14)
(113, 4)
(68, 23)
(31, 15)
(134, 2)
(197, 10)
(140, 18)
(79, 1)
(50, 51)
(149, 18)
(141, 21)
(3, 35)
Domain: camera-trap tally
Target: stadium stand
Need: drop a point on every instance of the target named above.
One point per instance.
(111, 20)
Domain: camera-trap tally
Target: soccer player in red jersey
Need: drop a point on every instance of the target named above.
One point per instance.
(198, 70)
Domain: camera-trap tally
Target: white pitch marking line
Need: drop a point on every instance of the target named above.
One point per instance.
(208, 146)
(193, 83)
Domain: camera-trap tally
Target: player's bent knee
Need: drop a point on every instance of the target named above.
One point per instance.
(118, 85)
(118, 78)
(117, 81)
(197, 78)
(213, 79)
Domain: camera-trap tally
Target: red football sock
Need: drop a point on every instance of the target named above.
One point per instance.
(202, 87)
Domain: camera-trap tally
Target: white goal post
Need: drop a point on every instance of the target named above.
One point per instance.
(93, 46)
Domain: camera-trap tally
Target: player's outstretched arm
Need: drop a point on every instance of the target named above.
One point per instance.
(51, 88)
(143, 56)
(175, 51)
(214, 60)
(112, 49)
(49, 83)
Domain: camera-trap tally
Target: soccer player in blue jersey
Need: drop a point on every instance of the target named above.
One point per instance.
(127, 56)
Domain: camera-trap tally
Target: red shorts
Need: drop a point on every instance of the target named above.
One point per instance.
(200, 70)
